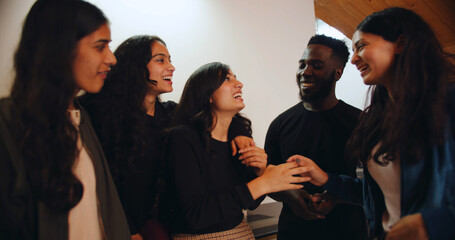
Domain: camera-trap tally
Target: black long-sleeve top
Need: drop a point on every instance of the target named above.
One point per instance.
(137, 184)
(209, 185)
(320, 136)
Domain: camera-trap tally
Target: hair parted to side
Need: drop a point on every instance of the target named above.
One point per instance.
(42, 90)
(195, 108)
(339, 48)
(120, 104)
(417, 117)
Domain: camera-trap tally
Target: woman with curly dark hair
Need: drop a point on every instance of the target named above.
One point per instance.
(129, 118)
(55, 182)
(210, 187)
(405, 138)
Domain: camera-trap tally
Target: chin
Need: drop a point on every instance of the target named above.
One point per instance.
(94, 89)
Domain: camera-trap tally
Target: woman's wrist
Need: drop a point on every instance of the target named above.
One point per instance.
(257, 187)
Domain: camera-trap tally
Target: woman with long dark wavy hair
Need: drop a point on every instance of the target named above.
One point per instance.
(405, 138)
(129, 118)
(55, 182)
(210, 187)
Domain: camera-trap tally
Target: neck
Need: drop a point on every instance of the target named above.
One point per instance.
(322, 105)
(221, 127)
(149, 104)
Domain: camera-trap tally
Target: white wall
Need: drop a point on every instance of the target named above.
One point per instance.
(12, 15)
(261, 40)
(350, 88)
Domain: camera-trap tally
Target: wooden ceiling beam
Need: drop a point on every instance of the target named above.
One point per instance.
(345, 15)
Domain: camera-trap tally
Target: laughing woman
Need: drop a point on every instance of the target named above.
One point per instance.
(129, 118)
(55, 182)
(405, 139)
(210, 187)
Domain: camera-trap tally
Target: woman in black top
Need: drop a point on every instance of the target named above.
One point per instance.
(210, 186)
(54, 179)
(129, 118)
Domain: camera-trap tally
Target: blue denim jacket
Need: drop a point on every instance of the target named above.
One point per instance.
(427, 187)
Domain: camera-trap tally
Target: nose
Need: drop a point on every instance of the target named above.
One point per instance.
(355, 58)
(238, 84)
(171, 67)
(306, 72)
(110, 58)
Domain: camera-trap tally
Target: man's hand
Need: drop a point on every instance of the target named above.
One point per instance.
(298, 201)
(323, 203)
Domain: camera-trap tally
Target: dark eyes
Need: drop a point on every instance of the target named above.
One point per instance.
(316, 65)
(100, 48)
(360, 46)
(162, 60)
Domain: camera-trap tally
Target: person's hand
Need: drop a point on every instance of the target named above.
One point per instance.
(136, 236)
(278, 178)
(317, 175)
(323, 203)
(241, 142)
(409, 227)
(284, 176)
(254, 157)
(300, 205)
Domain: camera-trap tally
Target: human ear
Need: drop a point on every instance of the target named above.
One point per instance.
(338, 72)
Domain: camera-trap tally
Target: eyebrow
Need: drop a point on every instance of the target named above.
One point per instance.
(102, 41)
(160, 54)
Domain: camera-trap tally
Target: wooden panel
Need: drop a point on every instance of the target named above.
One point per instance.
(345, 15)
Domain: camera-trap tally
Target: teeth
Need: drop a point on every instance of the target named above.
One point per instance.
(167, 78)
(307, 84)
(237, 95)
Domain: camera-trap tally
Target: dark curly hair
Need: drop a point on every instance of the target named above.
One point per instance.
(194, 108)
(417, 117)
(118, 109)
(339, 49)
(42, 92)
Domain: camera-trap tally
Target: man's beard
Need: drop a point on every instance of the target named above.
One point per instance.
(324, 89)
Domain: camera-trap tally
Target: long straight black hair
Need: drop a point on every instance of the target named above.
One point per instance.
(42, 92)
(417, 117)
(195, 108)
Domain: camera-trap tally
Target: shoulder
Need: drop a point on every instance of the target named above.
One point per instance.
(290, 113)
(168, 106)
(183, 133)
(348, 109)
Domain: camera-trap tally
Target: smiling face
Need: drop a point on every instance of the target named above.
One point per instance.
(228, 97)
(316, 75)
(93, 60)
(160, 69)
(374, 57)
